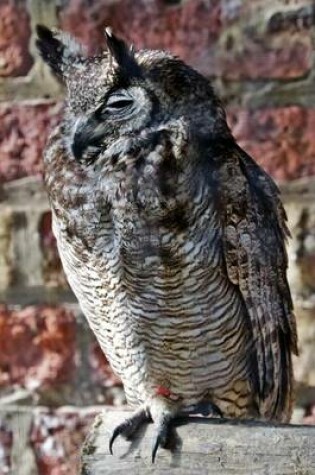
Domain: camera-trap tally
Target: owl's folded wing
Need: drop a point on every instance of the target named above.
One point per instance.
(254, 232)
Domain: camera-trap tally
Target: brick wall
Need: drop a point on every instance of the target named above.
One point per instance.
(260, 56)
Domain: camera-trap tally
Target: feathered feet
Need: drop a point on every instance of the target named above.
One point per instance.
(162, 411)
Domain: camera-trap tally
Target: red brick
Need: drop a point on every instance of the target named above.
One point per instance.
(188, 29)
(15, 59)
(229, 38)
(53, 274)
(263, 42)
(101, 371)
(281, 139)
(37, 347)
(254, 56)
(56, 438)
(24, 129)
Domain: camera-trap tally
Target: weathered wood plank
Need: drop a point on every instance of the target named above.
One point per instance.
(204, 446)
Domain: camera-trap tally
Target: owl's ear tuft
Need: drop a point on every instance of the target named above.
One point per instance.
(122, 54)
(57, 49)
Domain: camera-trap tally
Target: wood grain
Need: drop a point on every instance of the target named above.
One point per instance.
(204, 446)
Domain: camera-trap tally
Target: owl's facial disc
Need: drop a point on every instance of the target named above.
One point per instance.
(120, 105)
(123, 111)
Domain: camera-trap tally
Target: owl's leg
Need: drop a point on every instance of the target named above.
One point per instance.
(160, 409)
(163, 411)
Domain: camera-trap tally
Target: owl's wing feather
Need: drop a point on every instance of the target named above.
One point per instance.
(254, 232)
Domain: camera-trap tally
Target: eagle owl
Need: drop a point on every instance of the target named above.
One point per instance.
(171, 236)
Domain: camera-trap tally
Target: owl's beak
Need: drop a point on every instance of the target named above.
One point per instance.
(87, 133)
(78, 145)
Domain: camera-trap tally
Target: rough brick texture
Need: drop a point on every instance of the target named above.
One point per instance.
(46, 356)
(190, 29)
(281, 140)
(15, 58)
(56, 438)
(218, 38)
(265, 43)
(102, 373)
(43, 441)
(37, 346)
(24, 129)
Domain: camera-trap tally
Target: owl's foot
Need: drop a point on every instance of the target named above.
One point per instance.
(164, 408)
(129, 426)
(163, 433)
(160, 409)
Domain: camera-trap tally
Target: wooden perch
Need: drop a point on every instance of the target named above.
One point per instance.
(204, 446)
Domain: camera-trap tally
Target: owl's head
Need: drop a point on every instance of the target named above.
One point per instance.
(123, 93)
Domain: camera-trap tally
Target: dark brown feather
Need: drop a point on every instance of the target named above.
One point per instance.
(254, 232)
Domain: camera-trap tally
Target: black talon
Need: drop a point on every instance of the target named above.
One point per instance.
(162, 437)
(128, 427)
(114, 436)
(155, 447)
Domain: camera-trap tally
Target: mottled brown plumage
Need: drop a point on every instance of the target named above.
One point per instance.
(171, 236)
